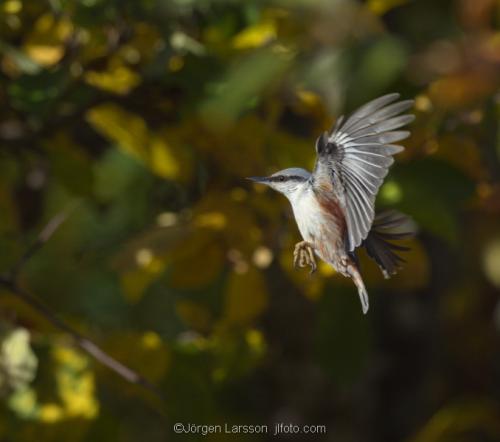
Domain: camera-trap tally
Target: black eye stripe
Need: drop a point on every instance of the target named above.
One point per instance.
(283, 178)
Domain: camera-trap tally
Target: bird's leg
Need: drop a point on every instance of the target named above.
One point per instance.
(303, 256)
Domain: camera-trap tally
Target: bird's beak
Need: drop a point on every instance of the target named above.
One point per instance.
(259, 179)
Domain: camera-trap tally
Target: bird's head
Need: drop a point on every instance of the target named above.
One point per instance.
(285, 181)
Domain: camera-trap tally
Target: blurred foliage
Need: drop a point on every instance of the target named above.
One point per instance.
(145, 116)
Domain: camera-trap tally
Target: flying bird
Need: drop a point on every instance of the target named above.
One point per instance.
(334, 205)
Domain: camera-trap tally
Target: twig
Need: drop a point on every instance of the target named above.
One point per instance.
(42, 238)
(9, 281)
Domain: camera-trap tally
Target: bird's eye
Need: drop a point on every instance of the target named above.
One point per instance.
(281, 178)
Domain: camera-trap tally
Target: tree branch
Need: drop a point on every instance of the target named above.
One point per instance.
(10, 282)
(49, 229)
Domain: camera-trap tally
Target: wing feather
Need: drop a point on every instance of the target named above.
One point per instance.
(356, 156)
(382, 115)
(368, 109)
(384, 138)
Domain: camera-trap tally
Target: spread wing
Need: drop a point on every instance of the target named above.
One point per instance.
(355, 159)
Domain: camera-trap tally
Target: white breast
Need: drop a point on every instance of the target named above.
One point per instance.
(306, 211)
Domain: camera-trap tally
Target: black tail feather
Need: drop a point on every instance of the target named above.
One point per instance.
(388, 225)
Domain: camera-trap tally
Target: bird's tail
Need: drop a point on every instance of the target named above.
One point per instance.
(387, 226)
(353, 272)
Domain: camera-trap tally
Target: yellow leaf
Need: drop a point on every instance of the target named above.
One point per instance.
(132, 135)
(78, 394)
(12, 6)
(68, 357)
(45, 44)
(50, 413)
(125, 128)
(75, 383)
(255, 36)
(118, 78)
(162, 161)
(45, 55)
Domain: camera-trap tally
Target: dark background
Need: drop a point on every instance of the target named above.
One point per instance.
(139, 120)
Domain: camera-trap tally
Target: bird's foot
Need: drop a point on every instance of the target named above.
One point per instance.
(303, 256)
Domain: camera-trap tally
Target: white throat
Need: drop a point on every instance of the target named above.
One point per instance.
(298, 193)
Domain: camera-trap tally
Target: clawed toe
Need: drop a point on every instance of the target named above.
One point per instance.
(303, 256)
(313, 265)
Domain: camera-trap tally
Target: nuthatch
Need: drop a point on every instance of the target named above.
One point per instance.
(334, 205)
